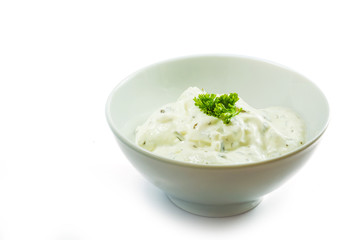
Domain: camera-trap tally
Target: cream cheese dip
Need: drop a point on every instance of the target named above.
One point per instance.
(180, 131)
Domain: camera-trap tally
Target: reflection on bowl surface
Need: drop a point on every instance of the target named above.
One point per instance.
(216, 190)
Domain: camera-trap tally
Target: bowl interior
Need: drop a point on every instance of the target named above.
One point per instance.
(260, 83)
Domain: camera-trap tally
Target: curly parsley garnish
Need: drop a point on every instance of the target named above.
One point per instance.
(222, 107)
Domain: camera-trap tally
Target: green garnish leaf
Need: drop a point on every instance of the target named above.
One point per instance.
(222, 107)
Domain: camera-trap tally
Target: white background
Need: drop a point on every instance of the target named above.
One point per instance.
(62, 176)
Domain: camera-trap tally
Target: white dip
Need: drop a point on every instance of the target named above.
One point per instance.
(180, 131)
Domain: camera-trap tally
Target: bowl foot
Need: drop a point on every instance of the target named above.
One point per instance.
(214, 210)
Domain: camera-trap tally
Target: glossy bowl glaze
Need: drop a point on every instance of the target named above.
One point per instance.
(215, 190)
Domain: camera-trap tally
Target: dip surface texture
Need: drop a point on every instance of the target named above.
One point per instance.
(180, 131)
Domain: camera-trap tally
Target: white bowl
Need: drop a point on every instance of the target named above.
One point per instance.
(215, 190)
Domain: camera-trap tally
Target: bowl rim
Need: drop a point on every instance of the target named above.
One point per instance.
(162, 159)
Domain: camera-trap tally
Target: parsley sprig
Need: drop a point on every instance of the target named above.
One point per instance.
(222, 107)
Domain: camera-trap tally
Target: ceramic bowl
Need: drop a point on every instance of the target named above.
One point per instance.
(215, 190)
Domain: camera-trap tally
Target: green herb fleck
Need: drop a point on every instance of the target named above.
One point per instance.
(179, 136)
(222, 107)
